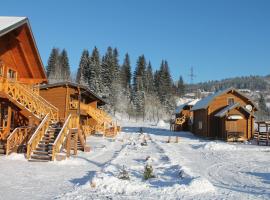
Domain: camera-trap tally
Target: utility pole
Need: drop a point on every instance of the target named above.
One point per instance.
(191, 75)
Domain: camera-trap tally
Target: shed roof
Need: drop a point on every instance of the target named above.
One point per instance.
(189, 103)
(74, 85)
(204, 103)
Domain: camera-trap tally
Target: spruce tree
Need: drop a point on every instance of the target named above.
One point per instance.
(126, 72)
(94, 71)
(139, 74)
(139, 86)
(65, 68)
(180, 87)
(82, 73)
(53, 61)
(149, 80)
(107, 69)
(165, 86)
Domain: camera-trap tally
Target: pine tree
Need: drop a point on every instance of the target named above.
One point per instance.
(116, 67)
(165, 86)
(139, 86)
(107, 72)
(180, 87)
(139, 74)
(94, 71)
(126, 72)
(53, 62)
(65, 68)
(82, 73)
(149, 80)
(262, 105)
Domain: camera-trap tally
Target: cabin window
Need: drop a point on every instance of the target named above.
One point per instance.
(11, 74)
(200, 124)
(230, 101)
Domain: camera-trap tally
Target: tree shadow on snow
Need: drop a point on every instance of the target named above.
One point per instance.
(265, 177)
(83, 180)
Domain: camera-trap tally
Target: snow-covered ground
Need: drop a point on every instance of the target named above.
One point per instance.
(193, 168)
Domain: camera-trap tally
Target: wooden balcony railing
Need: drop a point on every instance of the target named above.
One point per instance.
(28, 99)
(104, 121)
(16, 138)
(37, 136)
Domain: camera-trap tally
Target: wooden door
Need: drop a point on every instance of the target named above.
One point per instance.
(231, 126)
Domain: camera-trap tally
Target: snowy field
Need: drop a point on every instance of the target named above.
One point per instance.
(190, 169)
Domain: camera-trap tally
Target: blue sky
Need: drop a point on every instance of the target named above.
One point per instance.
(219, 38)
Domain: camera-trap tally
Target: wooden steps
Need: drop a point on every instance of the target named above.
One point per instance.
(43, 151)
(2, 148)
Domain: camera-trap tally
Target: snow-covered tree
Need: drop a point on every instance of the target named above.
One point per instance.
(94, 71)
(82, 73)
(65, 68)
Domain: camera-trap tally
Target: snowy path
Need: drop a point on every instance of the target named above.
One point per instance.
(20, 179)
(209, 170)
(237, 171)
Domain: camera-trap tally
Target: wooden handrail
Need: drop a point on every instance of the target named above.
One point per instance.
(17, 137)
(31, 101)
(37, 136)
(61, 136)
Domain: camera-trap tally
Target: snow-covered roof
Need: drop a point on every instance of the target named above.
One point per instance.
(204, 103)
(189, 103)
(9, 23)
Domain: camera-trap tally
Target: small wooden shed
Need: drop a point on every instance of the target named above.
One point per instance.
(227, 115)
(184, 110)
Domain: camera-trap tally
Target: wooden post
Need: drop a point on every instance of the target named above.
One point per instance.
(176, 139)
(75, 143)
(68, 145)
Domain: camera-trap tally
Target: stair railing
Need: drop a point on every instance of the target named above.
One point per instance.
(37, 136)
(31, 101)
(64, 132)
(16, 138)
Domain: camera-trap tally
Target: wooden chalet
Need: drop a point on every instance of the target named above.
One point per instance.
(20, 70)
(28, 122)
(184, 116)
(78, 100)
(227, 115)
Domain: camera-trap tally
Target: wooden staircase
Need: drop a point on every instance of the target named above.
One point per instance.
(105, 124)
(43, 151)
(2, 148)
(27, 98)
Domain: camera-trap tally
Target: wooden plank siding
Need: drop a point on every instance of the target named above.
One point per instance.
(57, 97)
(218, 127)
(18, 52)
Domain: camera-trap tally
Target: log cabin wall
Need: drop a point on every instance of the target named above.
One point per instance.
(18, 53)
(241, 125)
(200, 122)
(57, 97)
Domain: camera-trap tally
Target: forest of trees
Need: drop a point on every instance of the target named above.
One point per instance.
(142, 94)
(245, 82)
